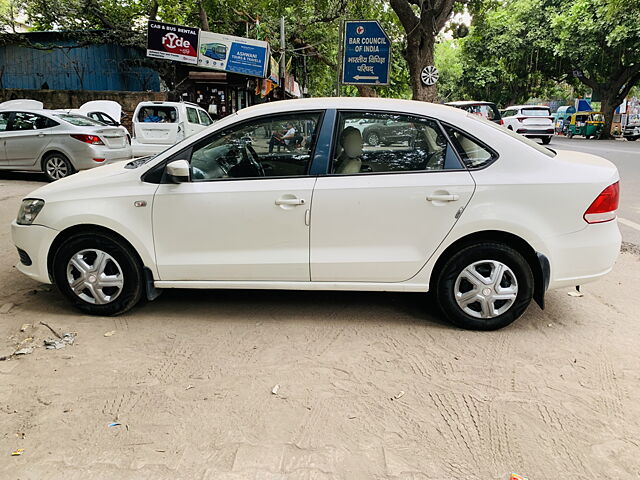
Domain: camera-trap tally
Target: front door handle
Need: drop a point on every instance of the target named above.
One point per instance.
(290, 201)
(443, 197)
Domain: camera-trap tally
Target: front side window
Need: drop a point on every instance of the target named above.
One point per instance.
(192, 115)
(204, 118)
(4, 121)
(389, 142)
(30, 121)
(277, 146)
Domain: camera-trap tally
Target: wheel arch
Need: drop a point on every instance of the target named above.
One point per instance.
(51, 151)
(538, 262)
(86, 229)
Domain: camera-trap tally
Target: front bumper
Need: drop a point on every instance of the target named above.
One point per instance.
(35, 241)
(584, 256)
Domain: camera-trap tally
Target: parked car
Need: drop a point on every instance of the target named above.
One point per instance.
(533, 121)
(158, 125)
(57, 143)
(632, 130)
(483, 218)
(487, 110)
(385, 132)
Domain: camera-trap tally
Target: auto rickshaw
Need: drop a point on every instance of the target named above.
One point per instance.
(587, 124)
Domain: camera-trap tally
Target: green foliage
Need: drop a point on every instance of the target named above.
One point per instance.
(448, 60)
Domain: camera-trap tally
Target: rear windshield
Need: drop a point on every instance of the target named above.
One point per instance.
(79, 120)
(517, 136)
(157, 114)
(536, 112)
(489, 112)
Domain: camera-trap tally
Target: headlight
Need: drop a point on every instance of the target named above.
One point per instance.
(29, 210)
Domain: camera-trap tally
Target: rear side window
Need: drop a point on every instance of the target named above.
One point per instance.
(4, 121)
(157, 114)
(472, 153)
(390, 142)
(30, 121)
(192, 115)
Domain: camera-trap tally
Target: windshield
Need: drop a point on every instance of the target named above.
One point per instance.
(512, 134)
(536, 112)
(79, 120)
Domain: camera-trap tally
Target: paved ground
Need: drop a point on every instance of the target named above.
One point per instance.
(189, 378)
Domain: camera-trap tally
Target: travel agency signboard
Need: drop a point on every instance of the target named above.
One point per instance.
(172, 42)
(207, 49)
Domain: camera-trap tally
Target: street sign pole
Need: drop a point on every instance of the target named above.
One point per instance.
(339, 63)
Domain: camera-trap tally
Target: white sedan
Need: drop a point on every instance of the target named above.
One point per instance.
(483, 218)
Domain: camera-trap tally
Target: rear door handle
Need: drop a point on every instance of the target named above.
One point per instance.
(290, 201)
(443, 197)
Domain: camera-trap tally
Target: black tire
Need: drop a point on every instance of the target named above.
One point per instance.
(569, 135)
(123, 258)
(546, 140)
(632, 139)
(373, 139)
(56, 166)
(489, 251)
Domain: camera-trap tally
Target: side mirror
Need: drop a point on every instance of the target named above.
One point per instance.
(179, 171)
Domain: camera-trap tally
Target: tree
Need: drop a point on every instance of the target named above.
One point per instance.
(422, 21)
(600, 45)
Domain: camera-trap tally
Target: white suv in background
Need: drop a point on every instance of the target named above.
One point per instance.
(158, 125)
(533, 121)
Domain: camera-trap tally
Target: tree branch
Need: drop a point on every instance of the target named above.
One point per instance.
(405, 15)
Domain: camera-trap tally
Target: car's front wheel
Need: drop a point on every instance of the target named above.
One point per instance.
(373, 139)
(99, 274)
(56, 166)
(485, 286)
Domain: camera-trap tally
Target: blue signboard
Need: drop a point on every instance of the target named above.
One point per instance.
(367, 54)
(233, 54)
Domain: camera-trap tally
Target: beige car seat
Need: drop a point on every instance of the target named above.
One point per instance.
(349, 161)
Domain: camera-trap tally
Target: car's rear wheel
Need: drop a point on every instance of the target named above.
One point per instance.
(485, 286)
(632, 139)
(98, 274)
(56, 166)
(546, 140)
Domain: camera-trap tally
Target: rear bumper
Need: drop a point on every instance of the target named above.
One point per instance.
(35, 241)
(144, 149)
(584, 256)
(104, 155)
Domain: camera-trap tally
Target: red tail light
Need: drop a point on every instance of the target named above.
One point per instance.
(90, 139)
(603, 208)
(501, 122)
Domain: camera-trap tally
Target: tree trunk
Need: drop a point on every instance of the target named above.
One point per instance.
(608, 105)
(366, 91)
(204, 18)
(419, 55)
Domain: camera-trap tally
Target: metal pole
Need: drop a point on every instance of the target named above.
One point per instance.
(340, 59)
(283, 65)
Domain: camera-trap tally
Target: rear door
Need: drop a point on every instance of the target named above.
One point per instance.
(156, 124)
(25, 139)
(383, 223)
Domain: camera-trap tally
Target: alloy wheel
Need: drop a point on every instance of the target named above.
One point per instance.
(95, 276)
(486, 289)
(57, 167)
(373, 139)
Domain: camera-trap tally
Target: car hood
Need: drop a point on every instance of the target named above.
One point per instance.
(85, 180)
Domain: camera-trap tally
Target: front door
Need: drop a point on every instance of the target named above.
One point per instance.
(384, 210)
(243, 216)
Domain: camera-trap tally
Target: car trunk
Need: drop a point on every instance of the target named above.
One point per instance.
(112, 137)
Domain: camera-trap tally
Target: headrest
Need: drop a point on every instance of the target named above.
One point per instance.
(351, 142)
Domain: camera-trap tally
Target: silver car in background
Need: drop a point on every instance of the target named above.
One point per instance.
(57, 143)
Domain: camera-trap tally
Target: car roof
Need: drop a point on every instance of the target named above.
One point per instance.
(367, 104)
(513, 107)
(469, 102)
(162, 103)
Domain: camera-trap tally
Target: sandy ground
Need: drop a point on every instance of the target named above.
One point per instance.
(189, 377)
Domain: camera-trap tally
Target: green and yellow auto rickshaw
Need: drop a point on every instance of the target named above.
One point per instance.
(587, 124)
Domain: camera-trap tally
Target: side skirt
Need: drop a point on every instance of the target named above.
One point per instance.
(348, 286)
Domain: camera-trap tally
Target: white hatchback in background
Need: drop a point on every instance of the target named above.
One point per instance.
(533, 121)
(57, 143)
(484, 218)
(158, 125)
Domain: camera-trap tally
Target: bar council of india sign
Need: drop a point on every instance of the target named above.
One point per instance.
(367, 54)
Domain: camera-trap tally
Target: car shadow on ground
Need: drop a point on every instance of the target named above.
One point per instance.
(24, 176)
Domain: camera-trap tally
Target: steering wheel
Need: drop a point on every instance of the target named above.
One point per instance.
(250, 156)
